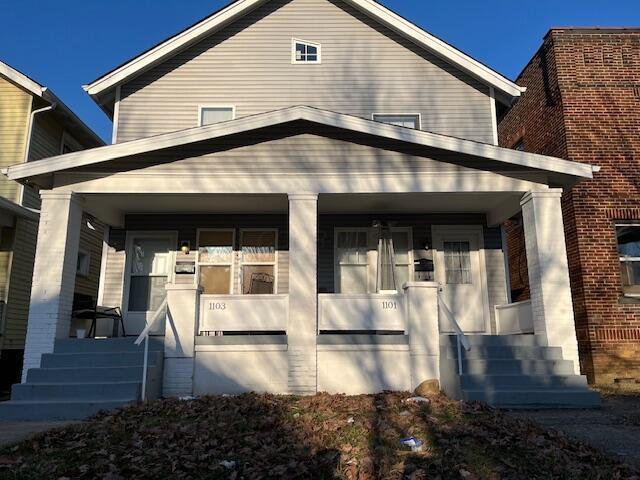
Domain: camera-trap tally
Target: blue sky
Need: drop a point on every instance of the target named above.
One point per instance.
(66, 43)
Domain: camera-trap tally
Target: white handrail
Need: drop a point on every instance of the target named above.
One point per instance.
(144, 335)
(462, 339)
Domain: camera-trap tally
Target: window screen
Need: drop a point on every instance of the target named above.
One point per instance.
(209, 115)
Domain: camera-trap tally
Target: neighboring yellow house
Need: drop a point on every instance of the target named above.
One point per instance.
(34, 124)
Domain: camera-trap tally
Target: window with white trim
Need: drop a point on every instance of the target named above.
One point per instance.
(258, 261)
(407, 120)
(351, 261)
(216, 114)
(215, 261)
(457, 262)
(305, 52)
(628, 237)
(402, 255)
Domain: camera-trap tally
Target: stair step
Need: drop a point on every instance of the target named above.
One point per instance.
(554, 398)
(84, 375)
(99, 359)
(20, 410)
(502, 340)
(514, 367)
(513, 352)
(93, 345)
(500, 382)
(76, 391)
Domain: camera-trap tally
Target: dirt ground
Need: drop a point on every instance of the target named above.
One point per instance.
(615, 428)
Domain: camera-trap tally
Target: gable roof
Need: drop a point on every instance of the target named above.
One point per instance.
(506, 89)
(570, 172)
(41, 91)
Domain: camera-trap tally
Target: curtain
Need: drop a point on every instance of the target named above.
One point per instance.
(386, 259)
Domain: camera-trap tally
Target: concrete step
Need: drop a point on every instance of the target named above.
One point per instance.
(20, 410)
(502, 340)
(99, 359)
(553, 398)
(517, 367)
(501, 382)
(93, 345)
(103, 391)
(512, 352)
(85, 375)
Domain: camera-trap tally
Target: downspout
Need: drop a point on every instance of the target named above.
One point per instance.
(27, 150)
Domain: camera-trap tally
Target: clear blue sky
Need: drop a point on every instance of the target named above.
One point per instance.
(66, 43)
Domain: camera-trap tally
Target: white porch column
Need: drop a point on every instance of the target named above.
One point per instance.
(549, 272)
(54, 275)
(303, 296)
(423, 330)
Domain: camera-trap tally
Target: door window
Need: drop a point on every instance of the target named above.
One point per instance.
(457, 262)
(149, 273)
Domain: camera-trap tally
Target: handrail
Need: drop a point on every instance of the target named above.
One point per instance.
(144, 335)
(461, 338)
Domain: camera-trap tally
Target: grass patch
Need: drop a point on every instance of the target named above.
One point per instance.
(318, 437)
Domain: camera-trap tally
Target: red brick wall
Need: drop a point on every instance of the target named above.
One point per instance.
(583, 103)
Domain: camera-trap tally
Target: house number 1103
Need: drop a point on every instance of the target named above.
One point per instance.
(217, 306)
(389, 305)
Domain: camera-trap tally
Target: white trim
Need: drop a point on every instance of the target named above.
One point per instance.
(206, 264)
(103, 263)
(494, 114)
(22, 80)
(295, 61)
(116, 116)
(202, 107)
(338, 120)
(405, 114)
(241, 7)
(336, 264)
(505, 255)
(274, 264)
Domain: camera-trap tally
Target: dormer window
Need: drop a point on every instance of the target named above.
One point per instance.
(305, 52)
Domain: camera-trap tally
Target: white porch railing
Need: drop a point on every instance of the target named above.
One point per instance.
(366, 312)
(243, 313)
(144, 336)
(462, 340)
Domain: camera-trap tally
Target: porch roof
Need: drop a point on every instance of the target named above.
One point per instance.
(563, 172)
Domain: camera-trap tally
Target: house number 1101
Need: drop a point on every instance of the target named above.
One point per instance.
(388, 305)
(217, 306)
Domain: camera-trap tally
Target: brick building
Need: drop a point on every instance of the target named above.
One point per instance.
(583, 103)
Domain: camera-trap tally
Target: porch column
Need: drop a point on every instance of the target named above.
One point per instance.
(303, 297)
(551, 302)
(54, 275)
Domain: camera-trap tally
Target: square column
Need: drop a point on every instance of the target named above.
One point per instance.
(54, 275)
(303, 296)
(551, 302)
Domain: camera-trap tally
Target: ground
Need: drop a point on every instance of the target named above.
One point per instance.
(331, 437)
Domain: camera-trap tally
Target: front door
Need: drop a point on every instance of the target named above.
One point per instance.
(148, 269)
(460, 271)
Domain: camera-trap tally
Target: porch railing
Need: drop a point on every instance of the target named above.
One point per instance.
(462, 340)
(144, 336)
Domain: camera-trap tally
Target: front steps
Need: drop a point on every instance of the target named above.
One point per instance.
(513, 371)
(82, 377)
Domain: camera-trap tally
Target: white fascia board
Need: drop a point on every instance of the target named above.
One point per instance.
(21, 79)
(175, 43)
(333, 119)
(241, 7)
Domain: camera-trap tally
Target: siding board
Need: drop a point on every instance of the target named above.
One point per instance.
(365, 68)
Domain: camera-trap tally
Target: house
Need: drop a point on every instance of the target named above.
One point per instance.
(34, 124)
(582, 104)
(302, 196)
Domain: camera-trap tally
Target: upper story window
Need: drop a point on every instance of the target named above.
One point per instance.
(305, 52)
(408, 120)
(216, 114)
(629, 253)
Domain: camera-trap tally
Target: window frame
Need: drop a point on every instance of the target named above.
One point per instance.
(622, 260)
(201, 108)
(409, 265)
(337, 284)
(242, 263)
(231, 264)
(403, 114)
(83, 268)
(295, 61)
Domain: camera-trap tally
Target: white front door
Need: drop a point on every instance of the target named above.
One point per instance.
(147, 271)
(460, 271)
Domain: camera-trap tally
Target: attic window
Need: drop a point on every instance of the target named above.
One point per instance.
(305, 52)
(407, 120)
(216, 114)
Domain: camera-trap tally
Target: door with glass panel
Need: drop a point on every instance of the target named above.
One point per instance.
(148, 270)
(459, 269)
